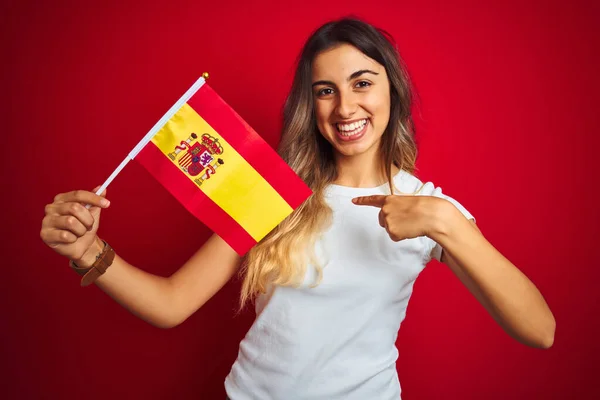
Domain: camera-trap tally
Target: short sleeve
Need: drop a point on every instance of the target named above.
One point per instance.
(433, 249)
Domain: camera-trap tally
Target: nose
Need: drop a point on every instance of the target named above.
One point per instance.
(346, 106)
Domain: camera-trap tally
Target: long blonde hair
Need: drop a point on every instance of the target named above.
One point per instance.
(281, 258)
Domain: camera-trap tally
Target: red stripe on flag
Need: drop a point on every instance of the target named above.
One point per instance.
(193, 199)
(263, 158)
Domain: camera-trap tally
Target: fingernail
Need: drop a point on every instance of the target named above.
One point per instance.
(104, 203)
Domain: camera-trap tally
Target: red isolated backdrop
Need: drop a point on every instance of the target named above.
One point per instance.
(506, 124)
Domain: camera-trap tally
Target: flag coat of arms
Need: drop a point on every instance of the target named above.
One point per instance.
(220, 169)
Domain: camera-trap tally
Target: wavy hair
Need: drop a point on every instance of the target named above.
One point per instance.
(282, 257)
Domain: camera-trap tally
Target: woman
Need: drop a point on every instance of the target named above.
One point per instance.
(332, 281)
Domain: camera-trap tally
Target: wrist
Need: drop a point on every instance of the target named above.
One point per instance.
(91, 270)
(89, 257)
(440, 214)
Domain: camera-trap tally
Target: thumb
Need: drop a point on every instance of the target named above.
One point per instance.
(103, 194)
(95, 211)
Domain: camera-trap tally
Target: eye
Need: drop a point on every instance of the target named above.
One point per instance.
(363, 84)
(325, 92)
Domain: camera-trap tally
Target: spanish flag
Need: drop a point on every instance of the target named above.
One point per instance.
(220, 169)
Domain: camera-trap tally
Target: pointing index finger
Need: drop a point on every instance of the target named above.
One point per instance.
(376, 200)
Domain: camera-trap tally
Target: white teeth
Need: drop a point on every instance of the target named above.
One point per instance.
(351, 129)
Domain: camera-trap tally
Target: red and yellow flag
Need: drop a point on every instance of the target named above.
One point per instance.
(221, 170)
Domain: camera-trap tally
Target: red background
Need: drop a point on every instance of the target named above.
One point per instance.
(507, 125)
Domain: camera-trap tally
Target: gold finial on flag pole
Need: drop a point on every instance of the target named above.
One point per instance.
(205, 75)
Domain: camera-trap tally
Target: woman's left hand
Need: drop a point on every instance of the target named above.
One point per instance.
(404, 216)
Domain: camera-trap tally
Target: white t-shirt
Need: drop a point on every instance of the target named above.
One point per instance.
(337, 341)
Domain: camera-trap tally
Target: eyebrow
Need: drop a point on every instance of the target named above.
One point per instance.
(353, 76)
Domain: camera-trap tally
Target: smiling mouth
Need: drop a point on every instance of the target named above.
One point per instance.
(352, 131)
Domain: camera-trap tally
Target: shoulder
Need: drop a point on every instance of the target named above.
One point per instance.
(407, 183)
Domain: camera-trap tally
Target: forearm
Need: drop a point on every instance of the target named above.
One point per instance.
(145, 295)
(508, 295)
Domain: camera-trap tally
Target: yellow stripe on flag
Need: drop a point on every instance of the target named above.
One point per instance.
(235, 186)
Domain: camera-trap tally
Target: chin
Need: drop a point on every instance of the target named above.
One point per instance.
(354, 150)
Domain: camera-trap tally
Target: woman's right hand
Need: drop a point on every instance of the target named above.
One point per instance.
(69, 228)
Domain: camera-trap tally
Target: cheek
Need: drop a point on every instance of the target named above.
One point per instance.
(322, 115)
(379, 105)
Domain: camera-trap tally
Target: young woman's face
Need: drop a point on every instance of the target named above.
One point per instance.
(352, 99)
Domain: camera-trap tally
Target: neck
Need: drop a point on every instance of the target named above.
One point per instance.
(361, 171)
